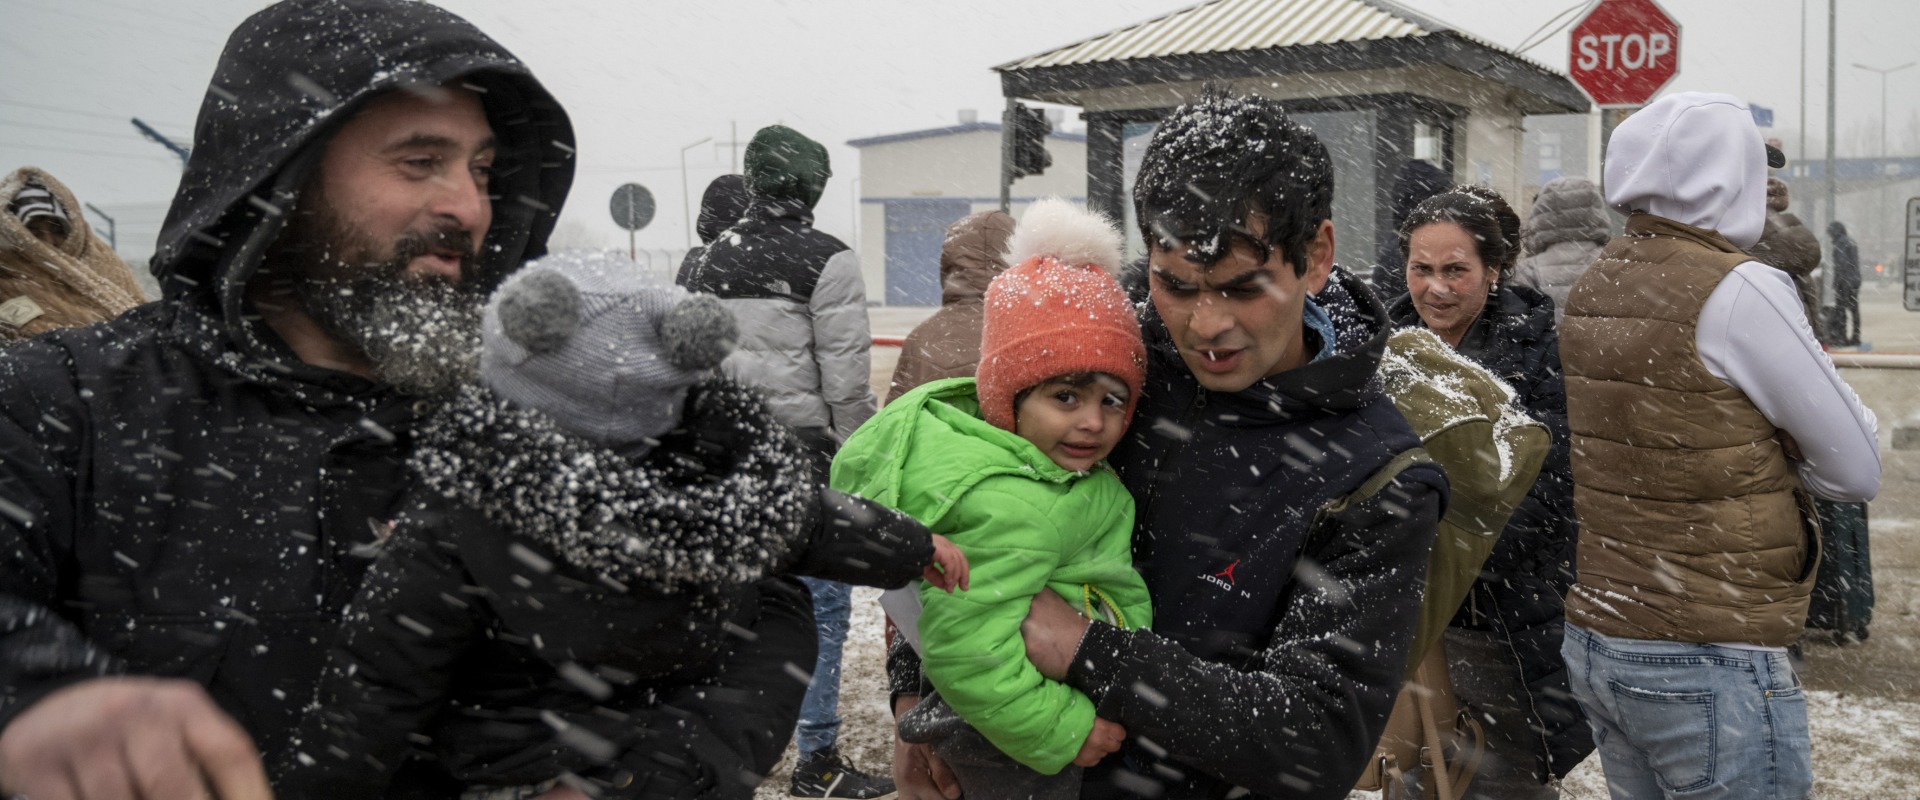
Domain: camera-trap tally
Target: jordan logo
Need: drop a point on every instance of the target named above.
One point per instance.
(1228, 572)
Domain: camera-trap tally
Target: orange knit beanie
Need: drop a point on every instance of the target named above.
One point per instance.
(1058, 311)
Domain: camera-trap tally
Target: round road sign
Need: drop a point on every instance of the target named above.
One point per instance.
(632, 206)
(1624, 51)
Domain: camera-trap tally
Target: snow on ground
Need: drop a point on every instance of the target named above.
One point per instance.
(1862, 746)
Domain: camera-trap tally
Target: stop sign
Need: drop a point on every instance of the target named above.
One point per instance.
(1623, 51)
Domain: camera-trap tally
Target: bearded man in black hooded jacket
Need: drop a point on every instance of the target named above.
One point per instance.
(189, 493)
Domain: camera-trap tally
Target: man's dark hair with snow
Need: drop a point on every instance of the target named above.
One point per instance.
(1219, 161)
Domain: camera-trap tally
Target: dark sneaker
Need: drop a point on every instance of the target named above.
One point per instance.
(825, 774)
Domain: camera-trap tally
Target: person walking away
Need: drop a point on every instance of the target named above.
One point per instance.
(55, 272)
(1846, 286)
(1786, 243)
(1503, 646)
(1702, 413)
(1012, 466)
(804, 341)
(1417, 180)
(947, 344)
(632, 440)
(1562, 238)
(723, 204)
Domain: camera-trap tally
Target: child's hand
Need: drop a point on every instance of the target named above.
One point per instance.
(949, 567)
(1105, 738)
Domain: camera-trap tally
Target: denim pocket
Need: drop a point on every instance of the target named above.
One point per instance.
(1675, 729)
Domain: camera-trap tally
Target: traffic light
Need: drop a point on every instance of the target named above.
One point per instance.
(1029, 128)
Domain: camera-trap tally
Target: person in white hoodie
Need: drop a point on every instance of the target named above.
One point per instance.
(1703, 412)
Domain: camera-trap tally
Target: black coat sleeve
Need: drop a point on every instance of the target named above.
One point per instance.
(390, 673)
(42, 431)
(1299, 719)
(864, 543)
(720, 736)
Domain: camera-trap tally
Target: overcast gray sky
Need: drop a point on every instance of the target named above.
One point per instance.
(641, 80)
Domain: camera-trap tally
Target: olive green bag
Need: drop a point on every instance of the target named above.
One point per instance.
(1492, 452)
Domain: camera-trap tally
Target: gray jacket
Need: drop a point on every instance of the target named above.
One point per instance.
(1564, 235)
(802, 308)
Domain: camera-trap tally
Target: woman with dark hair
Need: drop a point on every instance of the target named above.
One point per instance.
(1503, 647)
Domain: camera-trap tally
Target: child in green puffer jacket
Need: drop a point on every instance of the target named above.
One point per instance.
(1010, 466)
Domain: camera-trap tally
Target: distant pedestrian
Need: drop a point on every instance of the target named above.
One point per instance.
(1701, 412)
(1417, 180)
(804, 341)
(1563, 236)
(1786, 243)
(723, 204)
(947, 344)
(1503, 646)
(55, 272)
(1846, 285)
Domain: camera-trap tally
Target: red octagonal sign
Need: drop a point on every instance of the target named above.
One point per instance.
(1623, 51)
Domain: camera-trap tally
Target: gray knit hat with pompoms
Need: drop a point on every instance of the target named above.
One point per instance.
(599, 346)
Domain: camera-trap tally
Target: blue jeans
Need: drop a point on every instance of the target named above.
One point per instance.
(820, 711)
(1684, 720)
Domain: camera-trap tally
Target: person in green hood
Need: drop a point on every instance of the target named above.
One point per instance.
(1011, 466)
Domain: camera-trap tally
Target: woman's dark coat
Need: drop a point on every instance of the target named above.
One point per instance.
(1520, 588)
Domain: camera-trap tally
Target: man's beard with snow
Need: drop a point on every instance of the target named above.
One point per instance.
(421, 333)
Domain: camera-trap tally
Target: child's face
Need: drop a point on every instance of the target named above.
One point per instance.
(1076, 426)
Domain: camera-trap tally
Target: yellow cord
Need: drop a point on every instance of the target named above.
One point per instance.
(1088, 593)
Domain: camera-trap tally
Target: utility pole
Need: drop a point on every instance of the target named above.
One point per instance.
(686, 191)
(177, 148)
(1833, 95)
(1802, 155)
(734, 143)
(113, 240)
(1883, 98)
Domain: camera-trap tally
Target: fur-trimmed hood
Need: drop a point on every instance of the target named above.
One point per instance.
(725, 498)
(79, 283)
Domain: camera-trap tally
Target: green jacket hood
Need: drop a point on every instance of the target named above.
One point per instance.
(880, 451)
(783, 164)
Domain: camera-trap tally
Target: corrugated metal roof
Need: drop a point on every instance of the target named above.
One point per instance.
(1221, 26)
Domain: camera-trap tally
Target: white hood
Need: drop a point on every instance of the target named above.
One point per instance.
(1692, 157)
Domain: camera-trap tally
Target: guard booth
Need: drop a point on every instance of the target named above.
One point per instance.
(1378, 83)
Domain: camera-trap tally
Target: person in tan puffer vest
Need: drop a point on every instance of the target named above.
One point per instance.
(55, 272)
(1702, 413)
(947, 344)
(1786, 243)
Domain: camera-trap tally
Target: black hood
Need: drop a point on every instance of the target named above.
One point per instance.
(289, 77)
(724, 203)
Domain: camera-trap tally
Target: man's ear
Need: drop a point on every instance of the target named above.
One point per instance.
(1319, 258)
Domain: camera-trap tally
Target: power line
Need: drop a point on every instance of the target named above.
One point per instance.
(121, 23)
(101, 153)
(120, 118)
(1532, 42)
(77, 131)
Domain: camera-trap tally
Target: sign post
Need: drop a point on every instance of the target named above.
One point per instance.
(632, 208)
(1910, 266)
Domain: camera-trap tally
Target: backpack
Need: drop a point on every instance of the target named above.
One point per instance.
(1491, 452)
